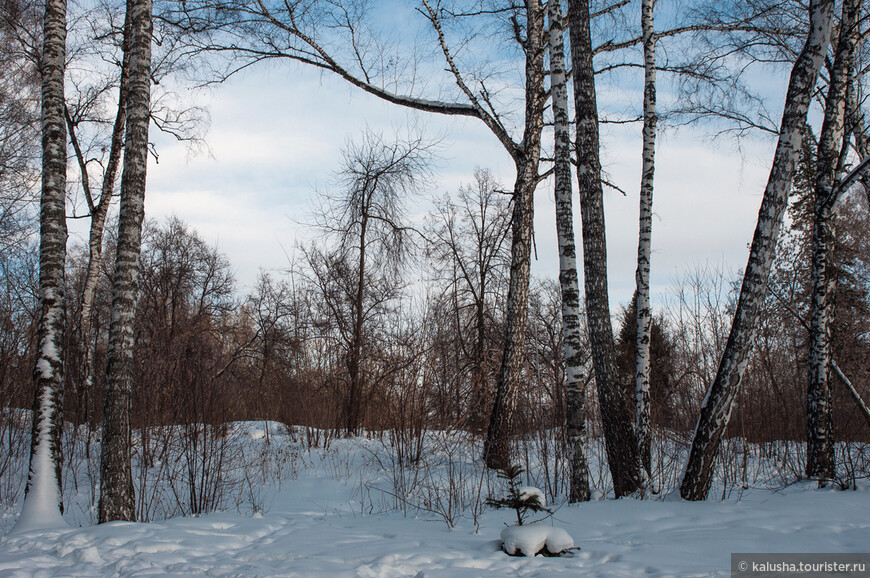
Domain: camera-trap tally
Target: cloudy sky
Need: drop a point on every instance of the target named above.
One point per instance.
(276, 135)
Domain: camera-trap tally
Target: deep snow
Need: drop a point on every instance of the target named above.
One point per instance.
(321, 523)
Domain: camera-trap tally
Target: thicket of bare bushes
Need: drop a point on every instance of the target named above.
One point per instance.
(208, 355)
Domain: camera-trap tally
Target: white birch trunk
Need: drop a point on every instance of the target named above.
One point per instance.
(856, 397)
(820, 443)
(116, 481)
(644, 243)
(43, 505)
(716, 409)
(99, 214)
(616, 411)
(575, 379)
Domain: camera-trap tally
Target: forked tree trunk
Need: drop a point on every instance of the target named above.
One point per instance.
(527, 156)
(820, 443)
(99, 212)
(716, 410)
(575, 379)
(644, 242)
(616, 414)
(116, 480)
(42, 503)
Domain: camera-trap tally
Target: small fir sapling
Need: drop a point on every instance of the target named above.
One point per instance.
(530, 539)
(522, 499)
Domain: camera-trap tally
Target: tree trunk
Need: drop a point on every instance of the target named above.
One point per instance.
(354, 399)
(620, 438)
(856, 397)
(644, 242)
(820, 444)
(575, 378)
(497, 450)
(99, 214)
(43, 504)
(527, 158)
(716, 410)
(116, 481)
(479, 391)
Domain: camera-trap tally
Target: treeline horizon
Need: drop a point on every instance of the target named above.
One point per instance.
(210, 354)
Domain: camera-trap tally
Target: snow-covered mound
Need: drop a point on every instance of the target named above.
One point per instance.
(532, 539)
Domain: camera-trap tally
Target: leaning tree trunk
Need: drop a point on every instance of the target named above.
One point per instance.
(716, 410)
(575, 379)
(856, 397)
(619, 434)
(116, 480)
(42, 503)
(820, 443)
(644, 242)
(527, 156)
(497, 451)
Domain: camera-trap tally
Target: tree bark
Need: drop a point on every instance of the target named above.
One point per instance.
(644, 243)
(527, 157)
(116, 481)
(43, 504)
(354, 400)
(716, 409)
(99, 213)
(620, 438)
(820, 444)
(576, 434)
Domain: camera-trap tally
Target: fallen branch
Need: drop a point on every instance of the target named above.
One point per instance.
(855, 395)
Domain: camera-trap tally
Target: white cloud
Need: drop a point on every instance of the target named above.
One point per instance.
(277, 133)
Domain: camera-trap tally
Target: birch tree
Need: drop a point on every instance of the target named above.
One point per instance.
(820, 443)
(570, 291)
(96, 114)
(718, 403)
(644, 243)
(116, 481)
(98, 209)
(43, 504)
(616, 414)
(527, 156)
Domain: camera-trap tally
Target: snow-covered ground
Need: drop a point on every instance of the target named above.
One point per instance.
(333, 513)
